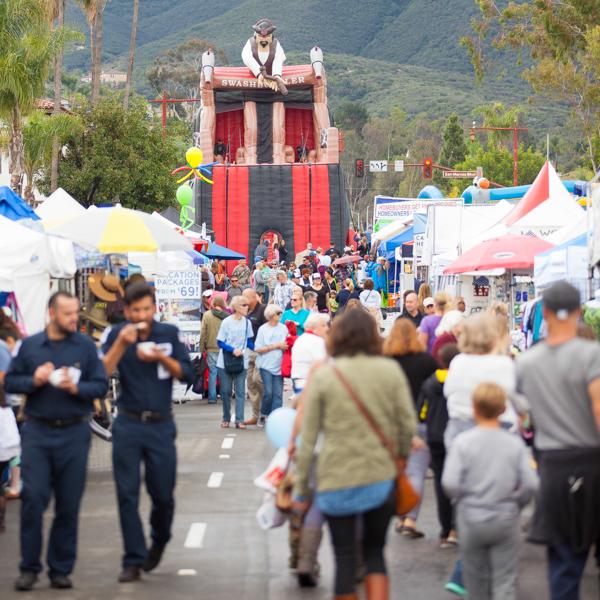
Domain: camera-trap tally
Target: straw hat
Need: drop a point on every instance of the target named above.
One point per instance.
(105, 287)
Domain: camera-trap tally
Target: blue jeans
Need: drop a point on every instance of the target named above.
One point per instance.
(211, 360)
(272, 392)
(228, 382)
(565, 570)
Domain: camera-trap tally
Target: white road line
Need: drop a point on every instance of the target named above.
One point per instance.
(224, 456)
(230, 435)
(227, 444)
(215, 480)
(187, 572)
(195, 536)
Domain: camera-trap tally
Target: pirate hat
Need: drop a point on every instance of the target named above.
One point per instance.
(264, 27)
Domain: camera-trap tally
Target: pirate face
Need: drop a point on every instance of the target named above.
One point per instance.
(264, 40)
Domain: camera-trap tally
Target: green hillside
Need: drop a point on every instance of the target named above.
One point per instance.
(382, 53)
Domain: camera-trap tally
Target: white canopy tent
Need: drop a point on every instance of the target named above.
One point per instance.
(450, 228)
(28, 259)
(58, 208)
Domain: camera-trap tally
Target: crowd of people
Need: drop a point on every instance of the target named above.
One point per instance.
(442, 391)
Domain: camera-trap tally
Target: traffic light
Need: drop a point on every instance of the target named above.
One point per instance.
(427, 168)
(359, 168)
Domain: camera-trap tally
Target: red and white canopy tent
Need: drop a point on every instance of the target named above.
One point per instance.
(546, 207)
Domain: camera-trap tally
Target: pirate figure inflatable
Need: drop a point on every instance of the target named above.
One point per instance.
(264, 56)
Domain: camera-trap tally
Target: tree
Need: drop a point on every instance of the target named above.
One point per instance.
(562, 43)
(39, 135)
(351, 116)
(28, 48)
(134, 22)
(57, 12)
(497, 163)
(94, 13)
(177, 72)
(120, 155)
(454, 148)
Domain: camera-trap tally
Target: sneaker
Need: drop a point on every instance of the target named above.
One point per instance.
(262, 421)
(26, 581)
(445, 543)
(452, 539)
(455, 588)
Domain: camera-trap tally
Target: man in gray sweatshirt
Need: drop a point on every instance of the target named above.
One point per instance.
(488, 474)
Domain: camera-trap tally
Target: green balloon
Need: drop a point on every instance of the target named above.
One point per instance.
(185, 194)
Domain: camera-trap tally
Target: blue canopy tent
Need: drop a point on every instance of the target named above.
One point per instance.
(221, 253)
(387, 249)
(13, 207)
(568, 262)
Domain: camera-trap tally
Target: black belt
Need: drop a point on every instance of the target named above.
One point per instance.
(57, 423)
(147, 416)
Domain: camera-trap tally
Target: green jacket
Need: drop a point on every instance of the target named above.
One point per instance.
(211, 323)
(351, 454)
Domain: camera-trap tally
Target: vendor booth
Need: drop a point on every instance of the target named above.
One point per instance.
(28, 259)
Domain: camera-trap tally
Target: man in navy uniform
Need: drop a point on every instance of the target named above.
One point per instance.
(61, 374)
(149, 355)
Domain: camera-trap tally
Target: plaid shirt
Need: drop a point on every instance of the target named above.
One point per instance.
(282, 294)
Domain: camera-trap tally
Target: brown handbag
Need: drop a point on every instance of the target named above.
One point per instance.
(406, 496)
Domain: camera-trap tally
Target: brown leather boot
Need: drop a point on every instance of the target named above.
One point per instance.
(377, 586)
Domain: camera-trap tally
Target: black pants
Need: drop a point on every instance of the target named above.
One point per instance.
(343, 535)
(444, 506)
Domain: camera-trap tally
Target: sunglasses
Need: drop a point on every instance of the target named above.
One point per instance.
(244, 305)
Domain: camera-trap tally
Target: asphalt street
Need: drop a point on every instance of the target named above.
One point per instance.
(218, 551)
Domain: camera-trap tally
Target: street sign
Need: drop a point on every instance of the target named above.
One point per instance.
(399, 166)
(459, 174)
(378, 166)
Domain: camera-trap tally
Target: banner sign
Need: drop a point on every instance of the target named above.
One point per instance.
(178, 297)
(397, 208)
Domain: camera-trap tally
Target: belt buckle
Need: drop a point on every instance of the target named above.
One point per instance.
(146, 416)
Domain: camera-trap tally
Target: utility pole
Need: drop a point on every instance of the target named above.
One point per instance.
(515, 129)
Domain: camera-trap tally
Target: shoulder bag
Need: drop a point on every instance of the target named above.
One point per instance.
(234, 365)
(406, 496)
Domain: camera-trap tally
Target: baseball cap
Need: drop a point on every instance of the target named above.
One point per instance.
(316, 276)
(562, 299)
(428, 302)
(207, 293)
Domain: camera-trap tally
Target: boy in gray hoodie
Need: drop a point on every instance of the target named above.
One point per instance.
(489, 475)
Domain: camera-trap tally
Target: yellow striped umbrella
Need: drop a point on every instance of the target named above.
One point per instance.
(118, 230)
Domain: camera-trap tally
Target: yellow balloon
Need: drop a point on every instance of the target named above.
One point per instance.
(194, 157)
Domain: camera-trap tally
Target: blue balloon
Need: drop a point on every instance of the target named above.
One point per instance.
(279, 426)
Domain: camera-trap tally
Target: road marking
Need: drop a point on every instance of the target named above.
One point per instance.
(187, 572)
(227, 444)
(231, 435)
(195, 536)
(215, 480)
(224, 456)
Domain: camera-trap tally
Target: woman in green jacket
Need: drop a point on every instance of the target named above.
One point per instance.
(355, 472)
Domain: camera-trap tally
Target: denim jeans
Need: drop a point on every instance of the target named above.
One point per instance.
(227, 383)
(272, 392)
(565, 570)
(211, 360)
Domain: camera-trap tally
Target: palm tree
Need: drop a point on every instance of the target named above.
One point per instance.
(56, 12)
(94, 10)
(134, 22)
(39, 135)
(28, 48)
